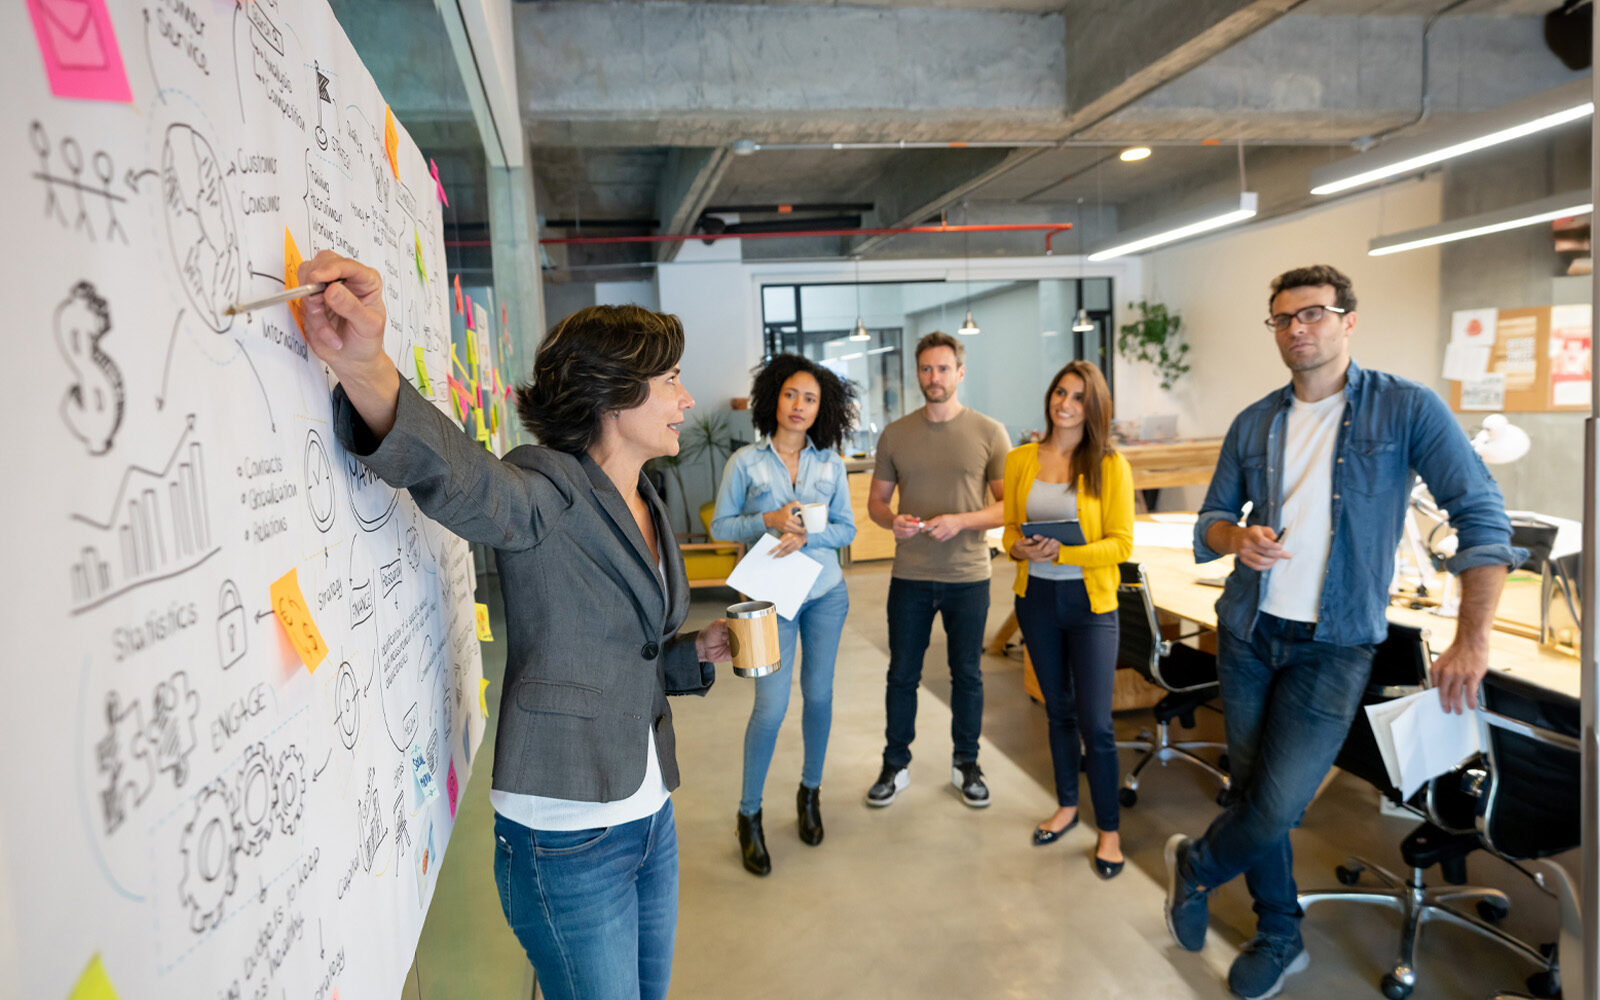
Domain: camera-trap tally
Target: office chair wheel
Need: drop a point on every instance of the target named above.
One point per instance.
(1128, 797)
(1348, 874)
(1493, 910)
(1393, 988)
(1545, 984)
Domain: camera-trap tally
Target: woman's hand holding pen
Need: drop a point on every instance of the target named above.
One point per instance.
(344, 327)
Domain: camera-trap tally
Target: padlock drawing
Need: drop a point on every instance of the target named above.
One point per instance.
(231, 639)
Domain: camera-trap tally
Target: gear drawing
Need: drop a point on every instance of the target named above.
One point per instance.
(209, 846)
(258, 799)
(290, 779)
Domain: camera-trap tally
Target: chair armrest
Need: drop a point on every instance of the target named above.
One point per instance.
(735, 547)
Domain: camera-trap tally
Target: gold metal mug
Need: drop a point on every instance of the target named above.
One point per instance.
(753, 638)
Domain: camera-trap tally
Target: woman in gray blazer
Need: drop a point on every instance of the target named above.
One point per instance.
(586, 853)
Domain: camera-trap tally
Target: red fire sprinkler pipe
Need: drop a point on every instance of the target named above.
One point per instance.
(1050, 229)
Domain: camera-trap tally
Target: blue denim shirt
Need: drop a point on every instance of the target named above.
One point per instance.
(756, 481)
(1391, 427)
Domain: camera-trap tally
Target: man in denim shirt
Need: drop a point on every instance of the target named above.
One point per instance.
(1325, 464)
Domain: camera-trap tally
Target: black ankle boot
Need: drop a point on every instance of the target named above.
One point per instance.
(753, 845)
(809, 802)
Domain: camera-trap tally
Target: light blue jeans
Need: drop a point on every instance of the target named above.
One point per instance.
(596, 910)
(817, 626)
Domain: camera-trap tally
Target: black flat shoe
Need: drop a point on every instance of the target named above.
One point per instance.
(1107, 869)
(753, 845)
(1043, 836)
(809, 803)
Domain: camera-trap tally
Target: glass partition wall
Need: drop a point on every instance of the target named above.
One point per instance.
(1025, 333)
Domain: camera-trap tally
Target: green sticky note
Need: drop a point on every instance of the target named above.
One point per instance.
(422, 370)
(422, 269)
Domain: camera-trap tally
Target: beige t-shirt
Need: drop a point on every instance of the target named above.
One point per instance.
(942, 468)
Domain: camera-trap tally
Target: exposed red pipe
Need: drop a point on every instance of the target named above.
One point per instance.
(1050, 229)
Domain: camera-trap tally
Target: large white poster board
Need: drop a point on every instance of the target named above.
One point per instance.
(189, 807)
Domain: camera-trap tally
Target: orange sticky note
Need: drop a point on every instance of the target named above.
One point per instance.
(391, 141)
(94, 984)
(291, 276)
(460, 309)
(290, 605)
(482, 611)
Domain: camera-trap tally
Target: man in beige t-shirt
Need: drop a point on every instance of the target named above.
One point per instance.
(947, 462)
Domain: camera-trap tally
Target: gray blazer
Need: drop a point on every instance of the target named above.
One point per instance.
(592, 644)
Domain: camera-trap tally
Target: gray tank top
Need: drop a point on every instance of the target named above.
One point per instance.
(1053, 502)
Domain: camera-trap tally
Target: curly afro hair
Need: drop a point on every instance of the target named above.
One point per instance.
(836, 411)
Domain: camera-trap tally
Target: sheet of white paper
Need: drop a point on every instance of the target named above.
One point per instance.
(1427, 741)
(784, 581)
(1379, 717)
(1175, 518)
(1484, 392)
(1163, 536)
(1465, 360)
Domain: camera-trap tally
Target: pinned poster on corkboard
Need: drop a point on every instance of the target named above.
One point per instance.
(1530, 360)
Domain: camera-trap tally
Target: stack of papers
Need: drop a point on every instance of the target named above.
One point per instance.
(785, 580)
(1420, 740)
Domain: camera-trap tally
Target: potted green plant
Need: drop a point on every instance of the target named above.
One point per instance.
(1153, 339)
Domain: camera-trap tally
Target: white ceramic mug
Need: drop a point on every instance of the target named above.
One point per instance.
(814, 516)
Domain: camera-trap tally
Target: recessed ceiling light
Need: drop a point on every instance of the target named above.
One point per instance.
(1134, 153)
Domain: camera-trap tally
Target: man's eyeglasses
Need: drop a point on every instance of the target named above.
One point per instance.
(1308, 316)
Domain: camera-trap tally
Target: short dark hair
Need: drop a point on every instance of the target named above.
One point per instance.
(939, 338)
(597, 360)
(836, 410)
(1344, 293)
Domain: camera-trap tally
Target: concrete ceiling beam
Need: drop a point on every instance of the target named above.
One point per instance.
(687, 183)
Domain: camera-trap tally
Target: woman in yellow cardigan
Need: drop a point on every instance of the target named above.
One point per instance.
(1067, 594)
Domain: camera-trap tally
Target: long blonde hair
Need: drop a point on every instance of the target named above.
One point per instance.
(1096, 443)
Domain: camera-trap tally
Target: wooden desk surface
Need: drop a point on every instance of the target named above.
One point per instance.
(1157, 464)
(1173, 574)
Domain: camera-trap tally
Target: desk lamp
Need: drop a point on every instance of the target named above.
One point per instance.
(1498, 442)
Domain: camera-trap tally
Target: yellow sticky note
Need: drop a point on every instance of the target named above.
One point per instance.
(483, 439)
(483, 697)
(482, 611)
(422, 370)
(94, 984)
(291, 276)
(422, 269)
(483, 431)
(391, 141)
(472, 347)
(494, 419)
(290, 605)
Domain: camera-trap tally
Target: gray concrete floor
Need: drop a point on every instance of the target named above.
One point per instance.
(929, 898)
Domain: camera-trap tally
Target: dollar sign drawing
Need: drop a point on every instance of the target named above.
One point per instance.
(93, 404)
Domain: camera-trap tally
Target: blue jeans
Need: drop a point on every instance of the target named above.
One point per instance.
(817, 626)
(596, 910)
(1074, 654)
(912, 606)
(1287, 702)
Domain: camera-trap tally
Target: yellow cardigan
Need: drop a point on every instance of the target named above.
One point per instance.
(1107, 522)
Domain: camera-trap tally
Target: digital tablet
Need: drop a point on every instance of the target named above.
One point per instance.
(1065, 532)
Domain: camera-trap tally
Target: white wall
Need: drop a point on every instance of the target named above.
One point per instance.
(1219, 286)
(627, 293)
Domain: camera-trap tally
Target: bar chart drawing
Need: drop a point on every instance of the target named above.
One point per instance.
(158, 527)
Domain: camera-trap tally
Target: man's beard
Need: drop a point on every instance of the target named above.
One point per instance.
(928, 394)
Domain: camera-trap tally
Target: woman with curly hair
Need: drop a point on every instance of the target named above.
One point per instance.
(804, 411)
(586, 851)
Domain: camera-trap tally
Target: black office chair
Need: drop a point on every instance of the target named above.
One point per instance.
(1457, 821)
(1188, 675)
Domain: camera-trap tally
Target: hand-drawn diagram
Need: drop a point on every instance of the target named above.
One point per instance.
(347, 706)
(93, 404)
(233, 639)
(319, 481)
(235, 816)
(83, 190)
(158, 526)
(132, 752)
(200, 224)
(371, 499)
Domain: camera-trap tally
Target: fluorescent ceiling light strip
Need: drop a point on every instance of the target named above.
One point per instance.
(1214, 217)
(1459, 149)
(1520, 216)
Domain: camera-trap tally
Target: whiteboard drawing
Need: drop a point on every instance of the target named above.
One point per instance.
(200, 225)
(93, 404)
(319, 482)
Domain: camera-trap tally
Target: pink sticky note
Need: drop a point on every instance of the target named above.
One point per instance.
(469, 312)
(451, 787)
(437, 183)
(79, 47)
